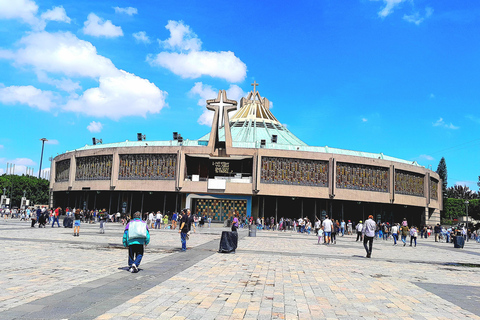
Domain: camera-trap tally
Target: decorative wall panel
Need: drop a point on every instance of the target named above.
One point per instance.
(433, 189)
(220, 209)
(147, 167)
(361, 177)
(294, 171)
(94, 168)
(409, 183)
(62, 170)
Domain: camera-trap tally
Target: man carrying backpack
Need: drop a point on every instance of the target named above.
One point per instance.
(135, 237)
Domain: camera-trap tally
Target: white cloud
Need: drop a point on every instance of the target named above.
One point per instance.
(95, 26)
(426, 157)
(441, 123)
(52, 141)
(473, 118)
(25, 10)
(389, 7)
(181, 37)
(364, 119)
(56, 14)
(428, 12)
(129, 10)
(190, 62)
(206, 92)
(199, 63)
(28, 95)
(95, 126)
(65, 84)
(141, 36)
(413, 18)
(416, 18)
(23, 162)
(119, 93)
(117, 96)
(62, 52)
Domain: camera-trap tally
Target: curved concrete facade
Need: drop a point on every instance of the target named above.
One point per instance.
(263, 179)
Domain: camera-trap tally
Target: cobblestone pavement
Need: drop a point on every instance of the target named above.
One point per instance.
(49, 274)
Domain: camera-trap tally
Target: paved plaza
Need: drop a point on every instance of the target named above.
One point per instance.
(49, 274)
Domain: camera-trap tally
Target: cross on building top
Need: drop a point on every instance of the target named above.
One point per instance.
(255, 84)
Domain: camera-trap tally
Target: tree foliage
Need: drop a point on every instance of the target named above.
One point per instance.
(36, 189)
(461, 192)
(442, 172)
(454, 208)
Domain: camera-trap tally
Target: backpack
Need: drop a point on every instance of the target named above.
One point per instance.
(137, 230)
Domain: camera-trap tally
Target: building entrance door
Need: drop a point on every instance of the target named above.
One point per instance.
(220, 209)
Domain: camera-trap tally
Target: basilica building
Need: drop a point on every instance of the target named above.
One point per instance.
(251, 164)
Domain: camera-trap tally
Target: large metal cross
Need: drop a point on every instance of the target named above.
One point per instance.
(223, 105)
(254, 84)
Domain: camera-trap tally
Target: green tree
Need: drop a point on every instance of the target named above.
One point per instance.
(442, 172)
(36, 190)
(461, 192)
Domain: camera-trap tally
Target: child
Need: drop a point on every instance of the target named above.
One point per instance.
(320, 235)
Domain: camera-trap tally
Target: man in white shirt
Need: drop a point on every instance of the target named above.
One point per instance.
(359, 228)
(327, 229)
(368, 233)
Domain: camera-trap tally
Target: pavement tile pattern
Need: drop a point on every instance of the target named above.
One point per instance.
(49, 274)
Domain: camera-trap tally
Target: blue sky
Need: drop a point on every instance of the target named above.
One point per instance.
(392, 76)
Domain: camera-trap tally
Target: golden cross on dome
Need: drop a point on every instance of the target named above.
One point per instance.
(254, 84)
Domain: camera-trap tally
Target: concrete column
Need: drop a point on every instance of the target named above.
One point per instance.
(332, 173)
(71, 174)
(392, 183)
(115, 169)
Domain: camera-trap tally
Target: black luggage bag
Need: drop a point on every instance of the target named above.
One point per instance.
(228, 242)
(68, 222)
(458, 242)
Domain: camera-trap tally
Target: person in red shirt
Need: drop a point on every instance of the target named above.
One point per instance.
(56, 214)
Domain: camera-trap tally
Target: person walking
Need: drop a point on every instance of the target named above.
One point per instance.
(404, 231)
(413, 235)
(184, 229)
(368, 232)
(158, 219)
(395, 233)
(437, 231)
(327, 225)
(56, 214)
(35, 215)
(359, 228)
(102, 217)
(136, 236)
(76, 223)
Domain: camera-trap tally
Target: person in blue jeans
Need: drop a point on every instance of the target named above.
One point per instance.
(404, 231)
(395, 234)
(136, 236)
(185, 224)
(56, 214)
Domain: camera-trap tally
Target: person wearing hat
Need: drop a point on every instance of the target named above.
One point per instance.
(368, 232)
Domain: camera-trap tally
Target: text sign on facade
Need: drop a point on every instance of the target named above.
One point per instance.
(221, 166)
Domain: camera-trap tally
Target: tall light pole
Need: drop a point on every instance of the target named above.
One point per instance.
(41, 157)
(466, 208)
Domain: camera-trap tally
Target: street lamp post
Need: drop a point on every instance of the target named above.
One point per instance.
(41, 157)
(466, 208)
